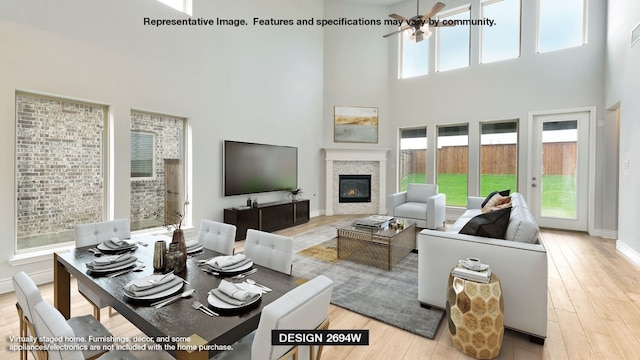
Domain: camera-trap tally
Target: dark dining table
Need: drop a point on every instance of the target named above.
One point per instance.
(178, 320)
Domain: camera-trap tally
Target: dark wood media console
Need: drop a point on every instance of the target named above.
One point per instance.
(268, 216)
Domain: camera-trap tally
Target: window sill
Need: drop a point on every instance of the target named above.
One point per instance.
(37, 256)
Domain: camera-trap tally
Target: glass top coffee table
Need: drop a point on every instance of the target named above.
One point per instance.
(380, 248)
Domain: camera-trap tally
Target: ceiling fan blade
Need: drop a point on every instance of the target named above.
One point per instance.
(434, 10)
(397, 31)
(399, 17)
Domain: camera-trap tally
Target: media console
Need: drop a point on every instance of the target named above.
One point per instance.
(268, 216)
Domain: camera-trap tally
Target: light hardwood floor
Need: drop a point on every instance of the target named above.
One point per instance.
(593, 312)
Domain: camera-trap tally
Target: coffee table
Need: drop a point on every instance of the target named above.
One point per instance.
(380, 248)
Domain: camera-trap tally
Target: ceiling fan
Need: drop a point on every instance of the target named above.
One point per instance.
(419, 23)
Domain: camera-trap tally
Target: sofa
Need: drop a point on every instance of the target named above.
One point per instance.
(519, 260)
(420, 204)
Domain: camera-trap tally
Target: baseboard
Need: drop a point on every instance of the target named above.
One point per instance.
(39, 277)
(628, 252)
(609, 234)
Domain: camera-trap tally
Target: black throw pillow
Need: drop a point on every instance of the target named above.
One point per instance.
(492, 224)
(503, 193)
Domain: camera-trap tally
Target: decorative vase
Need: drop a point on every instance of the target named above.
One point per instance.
(178, 238)
(174, 260)
(159, 253)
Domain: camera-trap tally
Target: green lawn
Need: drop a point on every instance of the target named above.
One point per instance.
(559, 192)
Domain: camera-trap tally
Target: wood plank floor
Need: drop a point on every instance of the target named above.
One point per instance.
(593, 313)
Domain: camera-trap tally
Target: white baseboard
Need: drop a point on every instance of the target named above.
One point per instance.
(628, 252)
(39, 277)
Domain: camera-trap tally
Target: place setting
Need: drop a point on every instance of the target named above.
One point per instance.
(105, 266)
(193, 246)
(227, 265)
(156, 287)
(233, 297)
(115, 245)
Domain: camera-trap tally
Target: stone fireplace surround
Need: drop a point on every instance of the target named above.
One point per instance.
(350, 161)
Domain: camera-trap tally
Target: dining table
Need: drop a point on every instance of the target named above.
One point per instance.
(178, 328)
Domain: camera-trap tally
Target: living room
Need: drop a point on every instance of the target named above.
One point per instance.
(231, 83)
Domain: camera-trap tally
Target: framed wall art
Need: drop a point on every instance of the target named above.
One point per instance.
(353, 124)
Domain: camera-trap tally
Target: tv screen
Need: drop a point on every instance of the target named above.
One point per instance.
(253, 168)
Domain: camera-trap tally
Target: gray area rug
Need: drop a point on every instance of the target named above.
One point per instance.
(387, 296)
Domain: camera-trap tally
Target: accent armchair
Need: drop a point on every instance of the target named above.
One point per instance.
(421, 203)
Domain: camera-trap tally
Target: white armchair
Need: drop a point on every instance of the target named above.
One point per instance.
(421, 203)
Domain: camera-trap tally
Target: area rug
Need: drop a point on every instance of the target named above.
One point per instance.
(387, 296)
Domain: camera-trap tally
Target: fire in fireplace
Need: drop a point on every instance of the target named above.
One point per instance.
(354, 188)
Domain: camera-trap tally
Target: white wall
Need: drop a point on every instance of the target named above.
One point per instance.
(252, 83)
(623, 88)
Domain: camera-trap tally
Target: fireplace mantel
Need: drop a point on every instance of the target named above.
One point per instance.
(335, 154)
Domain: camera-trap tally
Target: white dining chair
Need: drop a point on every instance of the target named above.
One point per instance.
(217, 236)
(29, 296)
(95, 234)
(303, 308)
(50, 323)
(269, 250)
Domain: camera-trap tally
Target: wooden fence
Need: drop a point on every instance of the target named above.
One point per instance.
(558, 159)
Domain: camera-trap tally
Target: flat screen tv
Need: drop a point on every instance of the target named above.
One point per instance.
(254, 168)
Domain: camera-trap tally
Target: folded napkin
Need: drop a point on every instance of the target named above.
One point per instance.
(228, 262)
(235, 294)
(116, 244)
(151, 284)
(111, 262)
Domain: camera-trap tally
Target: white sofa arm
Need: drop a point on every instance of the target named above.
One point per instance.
(395, 200)
(474, 202)
(521, 267)
(436, 210)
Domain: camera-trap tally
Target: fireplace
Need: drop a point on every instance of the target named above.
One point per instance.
(354, 189)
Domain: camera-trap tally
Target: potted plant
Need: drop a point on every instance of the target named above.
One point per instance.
(294, 193)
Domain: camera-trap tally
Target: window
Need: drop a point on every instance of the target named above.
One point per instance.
(453, 41)
(501, 42)
(59, 168)
(142, 149)
(415, 56)
(157, 157)
(453, 160)
(498, 157)
(561, 24)
(413, 156)
(184, 6)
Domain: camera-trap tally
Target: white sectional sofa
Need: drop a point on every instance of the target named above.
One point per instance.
(520, 262)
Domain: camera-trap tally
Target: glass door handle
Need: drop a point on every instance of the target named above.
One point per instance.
(533, 185)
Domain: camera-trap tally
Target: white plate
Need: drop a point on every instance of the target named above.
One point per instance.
(242, 268)
(475, 267)
(195, 249)
(160, 295)
(103, 247)
(106, 271)
(220, 304)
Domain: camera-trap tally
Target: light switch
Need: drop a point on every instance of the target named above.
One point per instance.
(625, 164)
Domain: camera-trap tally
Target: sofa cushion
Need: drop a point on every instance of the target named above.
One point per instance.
(463, 220)
(411, 210)
(502, 193)
(420, 192)
(492, 224)
(522, 226)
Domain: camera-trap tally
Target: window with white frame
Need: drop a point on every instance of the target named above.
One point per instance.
(453, 41)
(561, 24)
(415, 56)
(453, 163)
(501, 41)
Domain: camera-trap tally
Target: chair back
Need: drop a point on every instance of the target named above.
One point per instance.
(269, 250)
(97, 233)
(303, 308)
(420, 192)
(50, 322)
(217, 236)
(27, 293)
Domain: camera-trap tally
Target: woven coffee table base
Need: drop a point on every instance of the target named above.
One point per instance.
(475, 313)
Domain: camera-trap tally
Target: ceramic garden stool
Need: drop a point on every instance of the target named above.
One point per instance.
(475, 313)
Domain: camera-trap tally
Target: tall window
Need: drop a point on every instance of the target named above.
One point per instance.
(561, 24)
(415, 56)
(59, 168)
(498, 157)
(158, 188)
(413, 156)
(453, 160)
(502, 41)
(453, 41)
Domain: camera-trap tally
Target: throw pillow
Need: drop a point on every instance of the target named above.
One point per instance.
(503, 193)
(497, 202)
(492, 224)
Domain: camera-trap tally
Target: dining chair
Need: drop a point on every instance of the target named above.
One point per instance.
(303, 308)
(94, 234)
(29, 296)
(270, 250)
(50, 323)
(217, 236)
